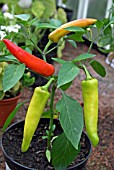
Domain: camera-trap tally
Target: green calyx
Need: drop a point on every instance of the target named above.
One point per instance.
(45, 87)
(88, 76)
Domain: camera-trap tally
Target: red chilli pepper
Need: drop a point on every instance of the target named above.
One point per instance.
(34, 63)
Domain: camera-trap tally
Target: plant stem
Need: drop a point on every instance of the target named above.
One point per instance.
(51, 110)
(90, 46)
(54, 47)
(40, 51)
(51, 117)
(44, 57)
(47, 45)
(88, 76)
(29, 37)
(51, 50)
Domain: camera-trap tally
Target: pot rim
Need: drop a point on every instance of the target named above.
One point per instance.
(9, 99)
(23, 166)
(90, 151)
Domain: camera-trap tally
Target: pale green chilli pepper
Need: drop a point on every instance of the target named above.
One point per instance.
(34, 112)
(90, 98)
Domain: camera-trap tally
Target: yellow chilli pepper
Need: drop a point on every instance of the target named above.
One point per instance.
(58, 33)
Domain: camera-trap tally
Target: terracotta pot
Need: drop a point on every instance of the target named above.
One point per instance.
(6, 107)
(15, 165)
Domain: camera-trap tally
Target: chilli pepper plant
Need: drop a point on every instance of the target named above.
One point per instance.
(69, 112)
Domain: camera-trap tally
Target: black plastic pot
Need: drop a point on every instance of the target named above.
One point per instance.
(13, 165)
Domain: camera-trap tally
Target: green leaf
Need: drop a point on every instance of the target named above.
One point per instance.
(48, 155)
(24, 30)
(62, 15)
(75, 29)
(78, 37)
(58, 60)
(8, 58)
(34, 21)
(1, 95)
(106, 37)
(98, 68)
(27, 80)
(67, 73)
(28, 50)
(106, 50)
(12, 75)
(50, 8)
(108, 31)
(63, 152)
(66, 86)
(99, 24)
(2, 45)
(83, 57)
(12, 115)
(57, 23)
(71, 118)
(112, 20)
(105, 40)
(46, 114)
(24, 17)
(38, 9)
(45, 25)
(73, 43)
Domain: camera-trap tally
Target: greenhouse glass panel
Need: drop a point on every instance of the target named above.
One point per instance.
(97, 9)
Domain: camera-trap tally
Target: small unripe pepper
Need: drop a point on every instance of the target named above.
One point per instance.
(34, 112)
(60, 32)
(90, 98)
(34, 63)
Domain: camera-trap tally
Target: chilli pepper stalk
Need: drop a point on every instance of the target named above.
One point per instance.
(90, 97)
(60, 32)
(34, 63)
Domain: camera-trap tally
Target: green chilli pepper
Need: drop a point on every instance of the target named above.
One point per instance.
(35, 110)
(90, 98)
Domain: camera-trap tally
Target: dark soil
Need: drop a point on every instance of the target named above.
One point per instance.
(102, 157)
(35, 156)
